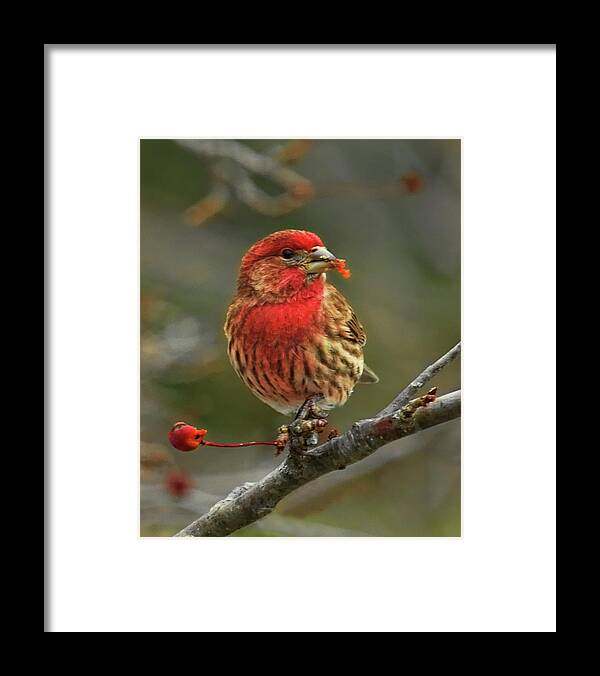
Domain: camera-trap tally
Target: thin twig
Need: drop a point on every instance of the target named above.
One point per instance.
(411, 390)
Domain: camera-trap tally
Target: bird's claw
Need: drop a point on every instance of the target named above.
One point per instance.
(303, 432)
(309, 408)
(315, 411)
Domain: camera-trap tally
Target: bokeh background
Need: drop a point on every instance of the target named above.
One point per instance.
(392, 209)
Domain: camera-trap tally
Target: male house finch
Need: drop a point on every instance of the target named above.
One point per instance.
(291, 334)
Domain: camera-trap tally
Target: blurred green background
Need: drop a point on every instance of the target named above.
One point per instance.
(392, 209)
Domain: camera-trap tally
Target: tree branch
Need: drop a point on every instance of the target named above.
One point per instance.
(253, 501)
(234, 165)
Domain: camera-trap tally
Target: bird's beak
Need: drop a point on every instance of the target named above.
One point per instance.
(318, 260)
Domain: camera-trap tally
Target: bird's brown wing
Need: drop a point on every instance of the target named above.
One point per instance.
(339, 311)
(355, 329)
(344, 317)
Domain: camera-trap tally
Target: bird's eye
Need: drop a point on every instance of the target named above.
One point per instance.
(287, 254)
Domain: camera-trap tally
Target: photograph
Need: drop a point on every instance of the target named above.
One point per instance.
(300, 337)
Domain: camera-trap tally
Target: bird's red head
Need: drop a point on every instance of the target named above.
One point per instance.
(282, 264)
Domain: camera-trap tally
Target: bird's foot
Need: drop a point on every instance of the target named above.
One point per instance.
(317, 412)
(304, 435)
(303, 432)
(300, 435)
(310, 408)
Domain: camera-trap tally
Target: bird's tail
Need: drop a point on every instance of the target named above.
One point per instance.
(368, 376)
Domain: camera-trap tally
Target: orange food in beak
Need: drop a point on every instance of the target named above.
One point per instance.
(339, 264)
